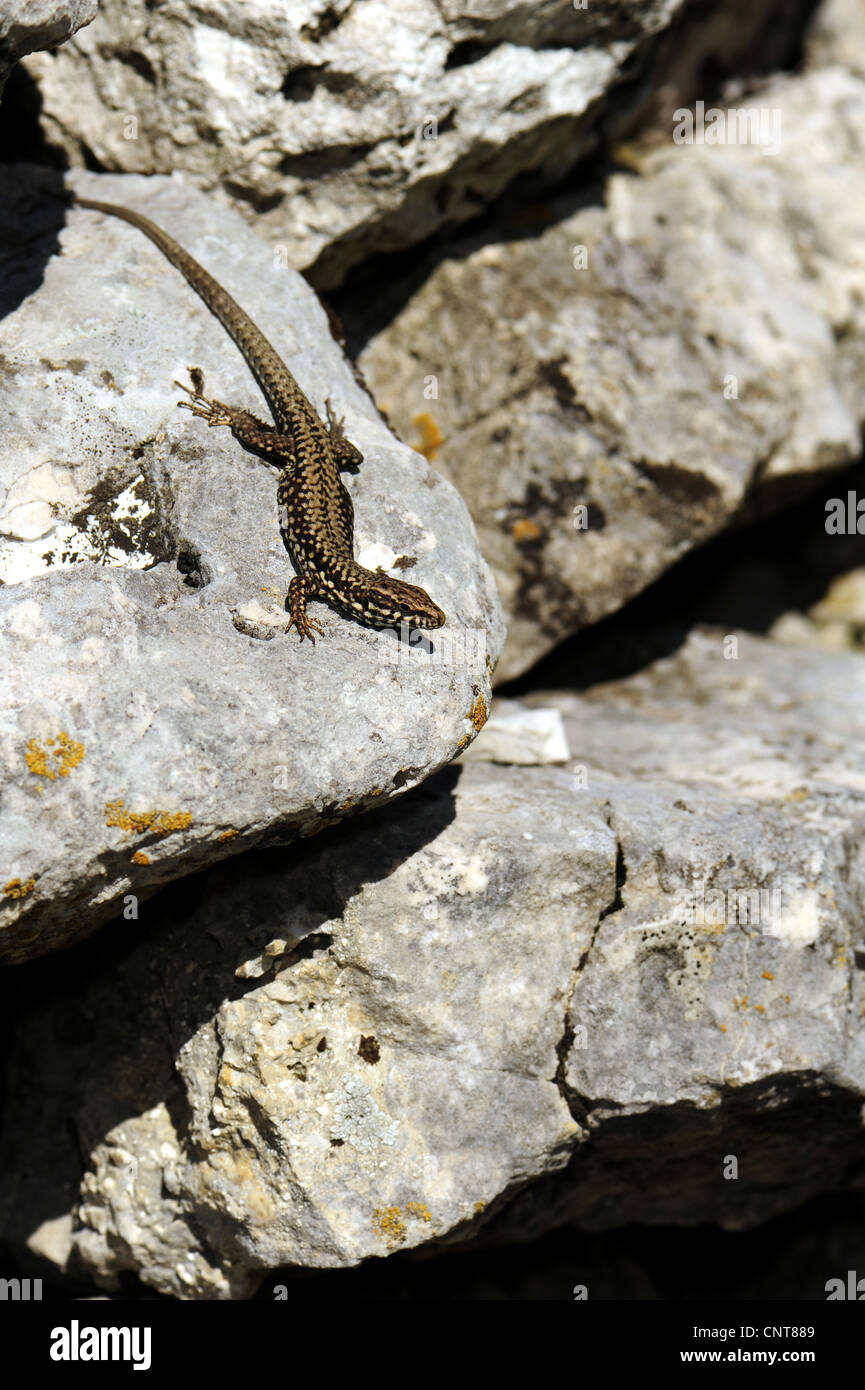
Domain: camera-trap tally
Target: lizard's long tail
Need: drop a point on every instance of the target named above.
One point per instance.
(255, 347)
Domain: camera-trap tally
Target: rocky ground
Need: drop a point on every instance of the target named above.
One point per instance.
(528, 956)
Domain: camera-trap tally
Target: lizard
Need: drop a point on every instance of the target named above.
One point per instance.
(316, 514)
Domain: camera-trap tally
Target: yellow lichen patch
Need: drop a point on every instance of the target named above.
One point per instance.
(227, 835)
(477, 717)
(767, 975)
(431, 437)
(420, 1210)
(761, 1008)
(137, 822)
(55, 758)
(526, 530)
(479, 1206)
(139, 857)
(390, 1225)
(479, 714)
(16, 889)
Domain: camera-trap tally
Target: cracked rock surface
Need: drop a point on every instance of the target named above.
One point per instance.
(346, 127)
(613, 391)
(524, 996)
(154, 714)
(29, 25)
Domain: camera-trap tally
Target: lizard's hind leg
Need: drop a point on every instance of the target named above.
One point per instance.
(300, 590)
(348, 456)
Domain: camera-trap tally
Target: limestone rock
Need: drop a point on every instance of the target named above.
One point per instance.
(155, 716)
(522, 997)
(613, 391)
(838, 34)
(346, 129)
(29, 25)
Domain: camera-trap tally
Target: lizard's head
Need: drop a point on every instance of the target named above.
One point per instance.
(390, 602)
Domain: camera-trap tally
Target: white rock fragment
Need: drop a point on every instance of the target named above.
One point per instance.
(516, 735)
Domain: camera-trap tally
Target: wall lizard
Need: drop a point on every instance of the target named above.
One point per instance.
(316, 515)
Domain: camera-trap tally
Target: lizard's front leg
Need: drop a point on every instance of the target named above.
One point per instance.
(254, 434)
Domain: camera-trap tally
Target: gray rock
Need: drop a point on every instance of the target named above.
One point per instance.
(624, 990)
(838, 35)
(155, 716)
(835, 623)
(517, 736)
(28, 25)
(347, 129)
(705, 365)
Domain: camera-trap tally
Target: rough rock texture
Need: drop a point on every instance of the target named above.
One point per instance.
(515, 735)
(603, 993)
(346, 128)
(705, 364)
(838, 34)
(27, 25)
(835, 623)
(154, 715)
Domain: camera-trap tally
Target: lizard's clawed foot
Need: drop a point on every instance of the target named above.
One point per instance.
(333, 424)
(348, 456)
(298, 593)
(214, 412)
(305, 626)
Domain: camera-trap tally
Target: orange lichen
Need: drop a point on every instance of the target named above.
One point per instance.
(390, 1225)
(227, 835)
(526, 530)
(477, 717)
(16, 889)
(479, 714)
(137, 822)
(419, 1209)
(139, 857)
(63, 749)
(767, 975)
(430, 435)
